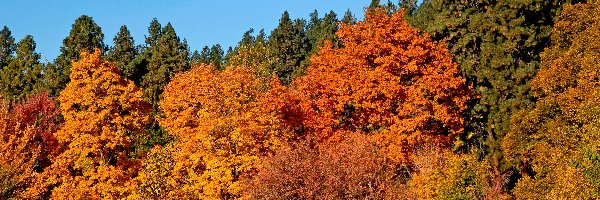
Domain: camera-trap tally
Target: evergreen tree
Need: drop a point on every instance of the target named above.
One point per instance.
(123, 52)
(288, 41)
(497, 44)
(195, 59)
(319, 30)
(169, 56)
(247, 38)
(205, 55)
(7, 46)
(349, 18)
(23, 74)
(261, 37)
(85, 36)
(216, 56)
(154, 31)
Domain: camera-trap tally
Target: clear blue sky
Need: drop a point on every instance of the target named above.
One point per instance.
(201, 22)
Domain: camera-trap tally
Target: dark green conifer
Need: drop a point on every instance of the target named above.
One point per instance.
(23, 74)
(85, 35)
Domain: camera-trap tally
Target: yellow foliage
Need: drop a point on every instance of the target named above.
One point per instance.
(557, 144)
(445, 175)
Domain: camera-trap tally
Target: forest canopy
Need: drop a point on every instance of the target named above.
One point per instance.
(433, 99)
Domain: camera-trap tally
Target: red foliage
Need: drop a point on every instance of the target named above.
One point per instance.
(349, 169)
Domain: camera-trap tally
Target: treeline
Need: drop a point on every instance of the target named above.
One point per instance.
(442, 100)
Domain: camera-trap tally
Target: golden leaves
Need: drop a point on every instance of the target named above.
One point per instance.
(100, 109)
(220, 129)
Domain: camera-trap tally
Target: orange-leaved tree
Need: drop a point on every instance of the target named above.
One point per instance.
(220, 128)
(101, 110)
(27, 143)
(388, 80)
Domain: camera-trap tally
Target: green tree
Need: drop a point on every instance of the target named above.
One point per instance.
(205, 55)
(23, 74)
(348, 18)
(85, 36)
(216, 56)
(195, 59)
(122, 52)
(288, 41)
(169, 56)
(497, 44)
(7, 46)
(319, 30)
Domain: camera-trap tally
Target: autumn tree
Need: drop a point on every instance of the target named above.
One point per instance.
(442, 174)
(556, 144)
(388, 81)
(350, 169)
(155, 176)
(85, 35)
(220, 129)
(27, 143)
(102, 110)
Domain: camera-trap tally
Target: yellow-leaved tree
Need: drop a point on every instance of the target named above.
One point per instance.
(556, 145)
(221, 128)
(101, 111)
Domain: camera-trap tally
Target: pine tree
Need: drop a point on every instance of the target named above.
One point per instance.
(349, 18)
(123, 52)
(85, 36)
(169, 56)
(247, 38)
(319, 30)
(205, 55)
(195, 59)
(288, 41)
(7, 46)
(23, 74)
(216, 56)
(154, 31)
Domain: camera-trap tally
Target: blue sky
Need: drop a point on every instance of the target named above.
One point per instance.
(201, 22)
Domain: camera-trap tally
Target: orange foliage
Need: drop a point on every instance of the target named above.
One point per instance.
(220, 129)
(101, 109)
(387, 80)
(26, 141)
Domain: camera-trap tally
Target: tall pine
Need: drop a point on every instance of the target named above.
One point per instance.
(85, 36)
(288, 41)
(7, 46)
(123, 52)
(23, 74)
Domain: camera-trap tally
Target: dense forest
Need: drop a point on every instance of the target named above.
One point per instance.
(441, 99)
